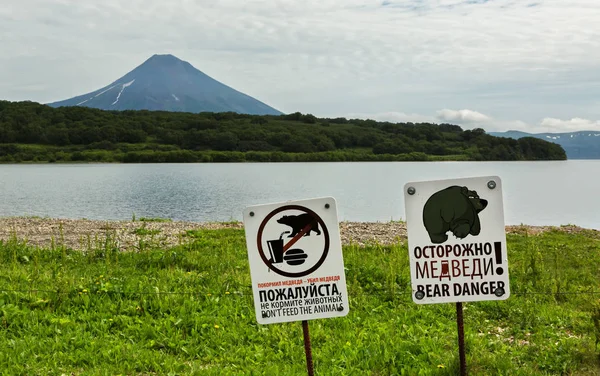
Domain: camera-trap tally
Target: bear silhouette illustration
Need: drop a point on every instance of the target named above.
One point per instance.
(454, 209)
(298, 222)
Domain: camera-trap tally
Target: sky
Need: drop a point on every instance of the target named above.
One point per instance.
(529, 65)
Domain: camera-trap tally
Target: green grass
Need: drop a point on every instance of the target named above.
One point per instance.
(189, 310)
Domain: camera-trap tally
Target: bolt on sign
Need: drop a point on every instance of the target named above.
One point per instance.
(296, 263)
(457, 240)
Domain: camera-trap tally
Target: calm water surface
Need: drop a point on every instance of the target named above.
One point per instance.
(537, 193)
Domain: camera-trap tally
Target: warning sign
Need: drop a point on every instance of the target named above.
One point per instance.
(296, 263)
(457, 240)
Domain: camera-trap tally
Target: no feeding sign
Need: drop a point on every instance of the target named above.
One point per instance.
(296, 264)
(457, 240)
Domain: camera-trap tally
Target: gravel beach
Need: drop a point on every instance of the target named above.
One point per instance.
(84, 234)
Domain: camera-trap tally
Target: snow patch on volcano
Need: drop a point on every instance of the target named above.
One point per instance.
(120, 92)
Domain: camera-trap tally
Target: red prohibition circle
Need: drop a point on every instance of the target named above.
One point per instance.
(283, 272)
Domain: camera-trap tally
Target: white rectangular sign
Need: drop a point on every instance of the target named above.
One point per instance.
(296, 263)
(457, 240)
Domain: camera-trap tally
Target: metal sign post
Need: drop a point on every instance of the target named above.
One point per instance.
(457, 243)
(461, 339)
(307, 349)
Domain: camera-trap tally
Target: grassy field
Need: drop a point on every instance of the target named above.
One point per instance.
(189, 310)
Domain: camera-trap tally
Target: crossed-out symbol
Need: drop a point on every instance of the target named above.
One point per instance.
(272, 263)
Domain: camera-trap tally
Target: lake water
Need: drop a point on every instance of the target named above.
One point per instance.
(536, 193)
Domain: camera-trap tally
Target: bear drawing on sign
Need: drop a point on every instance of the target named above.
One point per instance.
(455, 209)
(298, 222)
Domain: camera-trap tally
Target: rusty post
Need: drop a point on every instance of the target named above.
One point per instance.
(461, 339)
(307, 349)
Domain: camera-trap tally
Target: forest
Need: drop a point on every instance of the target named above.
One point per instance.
(33, 132)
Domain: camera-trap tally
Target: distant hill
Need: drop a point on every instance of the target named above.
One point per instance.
(30, 131)
(166, 83)
(577, 145)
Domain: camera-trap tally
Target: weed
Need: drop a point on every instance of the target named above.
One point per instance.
(144, 219)
(596, 321)
(142, 231)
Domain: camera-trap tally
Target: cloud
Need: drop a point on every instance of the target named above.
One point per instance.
(572, 125)
(462, 116)
(469, 119)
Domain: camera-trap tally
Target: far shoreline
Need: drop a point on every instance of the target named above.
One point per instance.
(46, 162)
(85, 234)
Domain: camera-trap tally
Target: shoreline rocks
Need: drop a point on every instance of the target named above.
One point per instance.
(84, 234)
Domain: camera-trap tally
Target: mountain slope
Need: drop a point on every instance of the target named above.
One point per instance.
(166, 83)
(577, 145)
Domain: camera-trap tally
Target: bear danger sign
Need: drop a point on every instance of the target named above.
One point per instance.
(296, 264)
(457, 240)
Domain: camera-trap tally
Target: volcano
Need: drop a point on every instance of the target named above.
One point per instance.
(166, 83)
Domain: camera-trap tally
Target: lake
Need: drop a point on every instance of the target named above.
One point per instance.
(536, 193)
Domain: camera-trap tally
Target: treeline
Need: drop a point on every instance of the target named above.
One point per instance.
(31, 131)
